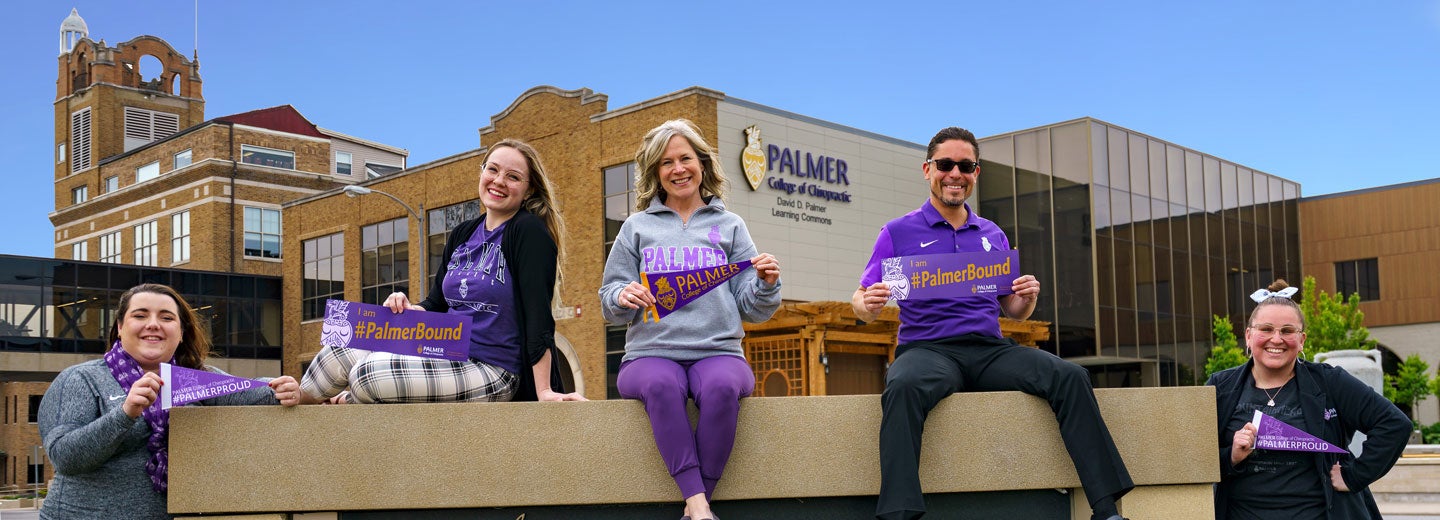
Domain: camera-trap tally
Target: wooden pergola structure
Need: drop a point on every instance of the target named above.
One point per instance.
(795, 351)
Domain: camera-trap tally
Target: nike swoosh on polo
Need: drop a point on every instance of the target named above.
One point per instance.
(927, 244)
(114, 397)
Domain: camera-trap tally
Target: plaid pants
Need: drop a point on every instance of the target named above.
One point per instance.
(382, 377)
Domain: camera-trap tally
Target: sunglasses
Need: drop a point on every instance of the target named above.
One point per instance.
(945, 165)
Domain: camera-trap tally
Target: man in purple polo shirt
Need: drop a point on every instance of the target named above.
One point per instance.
(954, 344)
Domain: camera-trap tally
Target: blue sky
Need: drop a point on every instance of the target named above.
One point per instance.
(1336, 96)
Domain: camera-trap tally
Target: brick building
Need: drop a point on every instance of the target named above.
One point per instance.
(141, 177)
(20, 466)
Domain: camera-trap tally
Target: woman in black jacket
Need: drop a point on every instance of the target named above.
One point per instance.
(1321, 400)
(498, 270)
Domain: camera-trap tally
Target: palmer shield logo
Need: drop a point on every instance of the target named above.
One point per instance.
(666, 293)
(752, 159)
(335, 332)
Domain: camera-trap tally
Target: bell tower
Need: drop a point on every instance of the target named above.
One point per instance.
(110, 100)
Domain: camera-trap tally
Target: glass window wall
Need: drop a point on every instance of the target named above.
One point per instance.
(1137, 261)
(49, 305)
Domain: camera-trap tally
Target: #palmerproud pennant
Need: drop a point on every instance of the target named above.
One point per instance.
(187, 385)
(1274, 434)
(676, 289)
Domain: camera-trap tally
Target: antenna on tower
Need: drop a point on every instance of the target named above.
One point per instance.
(195, 52)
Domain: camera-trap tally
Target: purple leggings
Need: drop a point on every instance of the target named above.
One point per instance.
(696, 458)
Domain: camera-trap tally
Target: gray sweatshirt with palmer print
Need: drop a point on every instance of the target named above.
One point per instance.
(657, 241)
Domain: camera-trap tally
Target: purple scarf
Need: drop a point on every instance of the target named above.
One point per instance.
(126, 372)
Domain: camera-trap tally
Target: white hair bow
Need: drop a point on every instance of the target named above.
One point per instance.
(1264, 294)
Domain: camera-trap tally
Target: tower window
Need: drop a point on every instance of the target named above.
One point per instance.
(182, 160)
(143, 126)
(80, 140)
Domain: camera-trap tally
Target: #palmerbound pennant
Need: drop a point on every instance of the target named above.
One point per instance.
(376, 328)
(948, 275)
(675, 289)
(1274, 434)
(187, 385)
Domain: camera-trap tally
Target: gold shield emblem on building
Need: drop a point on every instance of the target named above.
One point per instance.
(752, 159)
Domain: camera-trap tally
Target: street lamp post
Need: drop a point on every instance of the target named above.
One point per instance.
(353, 191)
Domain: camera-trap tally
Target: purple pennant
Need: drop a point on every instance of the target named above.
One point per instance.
(1274, 434)
(187, 385)
(675, 289)
(948, 275)
(376, 328)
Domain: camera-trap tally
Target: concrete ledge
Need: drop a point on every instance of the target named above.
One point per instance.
(336, 458)
(1412, 487)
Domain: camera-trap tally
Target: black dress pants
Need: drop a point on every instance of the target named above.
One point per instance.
(926, 372)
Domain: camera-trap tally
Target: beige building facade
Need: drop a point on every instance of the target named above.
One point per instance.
(1384, 244)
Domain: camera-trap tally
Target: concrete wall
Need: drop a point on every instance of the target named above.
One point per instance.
(1421, 339)
(435, 456)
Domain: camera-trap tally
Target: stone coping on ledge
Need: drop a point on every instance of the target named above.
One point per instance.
(430, 456)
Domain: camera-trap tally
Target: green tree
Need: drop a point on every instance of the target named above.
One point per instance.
(1332, 322)
(1410, 384)
(1435, 384)
(1227, 352)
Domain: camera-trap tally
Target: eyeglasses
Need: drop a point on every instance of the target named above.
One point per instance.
(945, 165)
(1267, 331)
(512, 177)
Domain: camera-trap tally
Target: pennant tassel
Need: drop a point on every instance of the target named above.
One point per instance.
(165, 387)
(647, 312)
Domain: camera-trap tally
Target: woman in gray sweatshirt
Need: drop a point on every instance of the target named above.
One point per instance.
(101, 424)
(694, 352)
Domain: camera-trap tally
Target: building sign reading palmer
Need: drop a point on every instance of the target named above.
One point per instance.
(818, 180)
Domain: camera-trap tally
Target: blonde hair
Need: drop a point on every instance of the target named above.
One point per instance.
(647, 162)
(541, 200)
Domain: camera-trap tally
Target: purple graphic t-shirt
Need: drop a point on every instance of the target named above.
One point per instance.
(477, 285)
